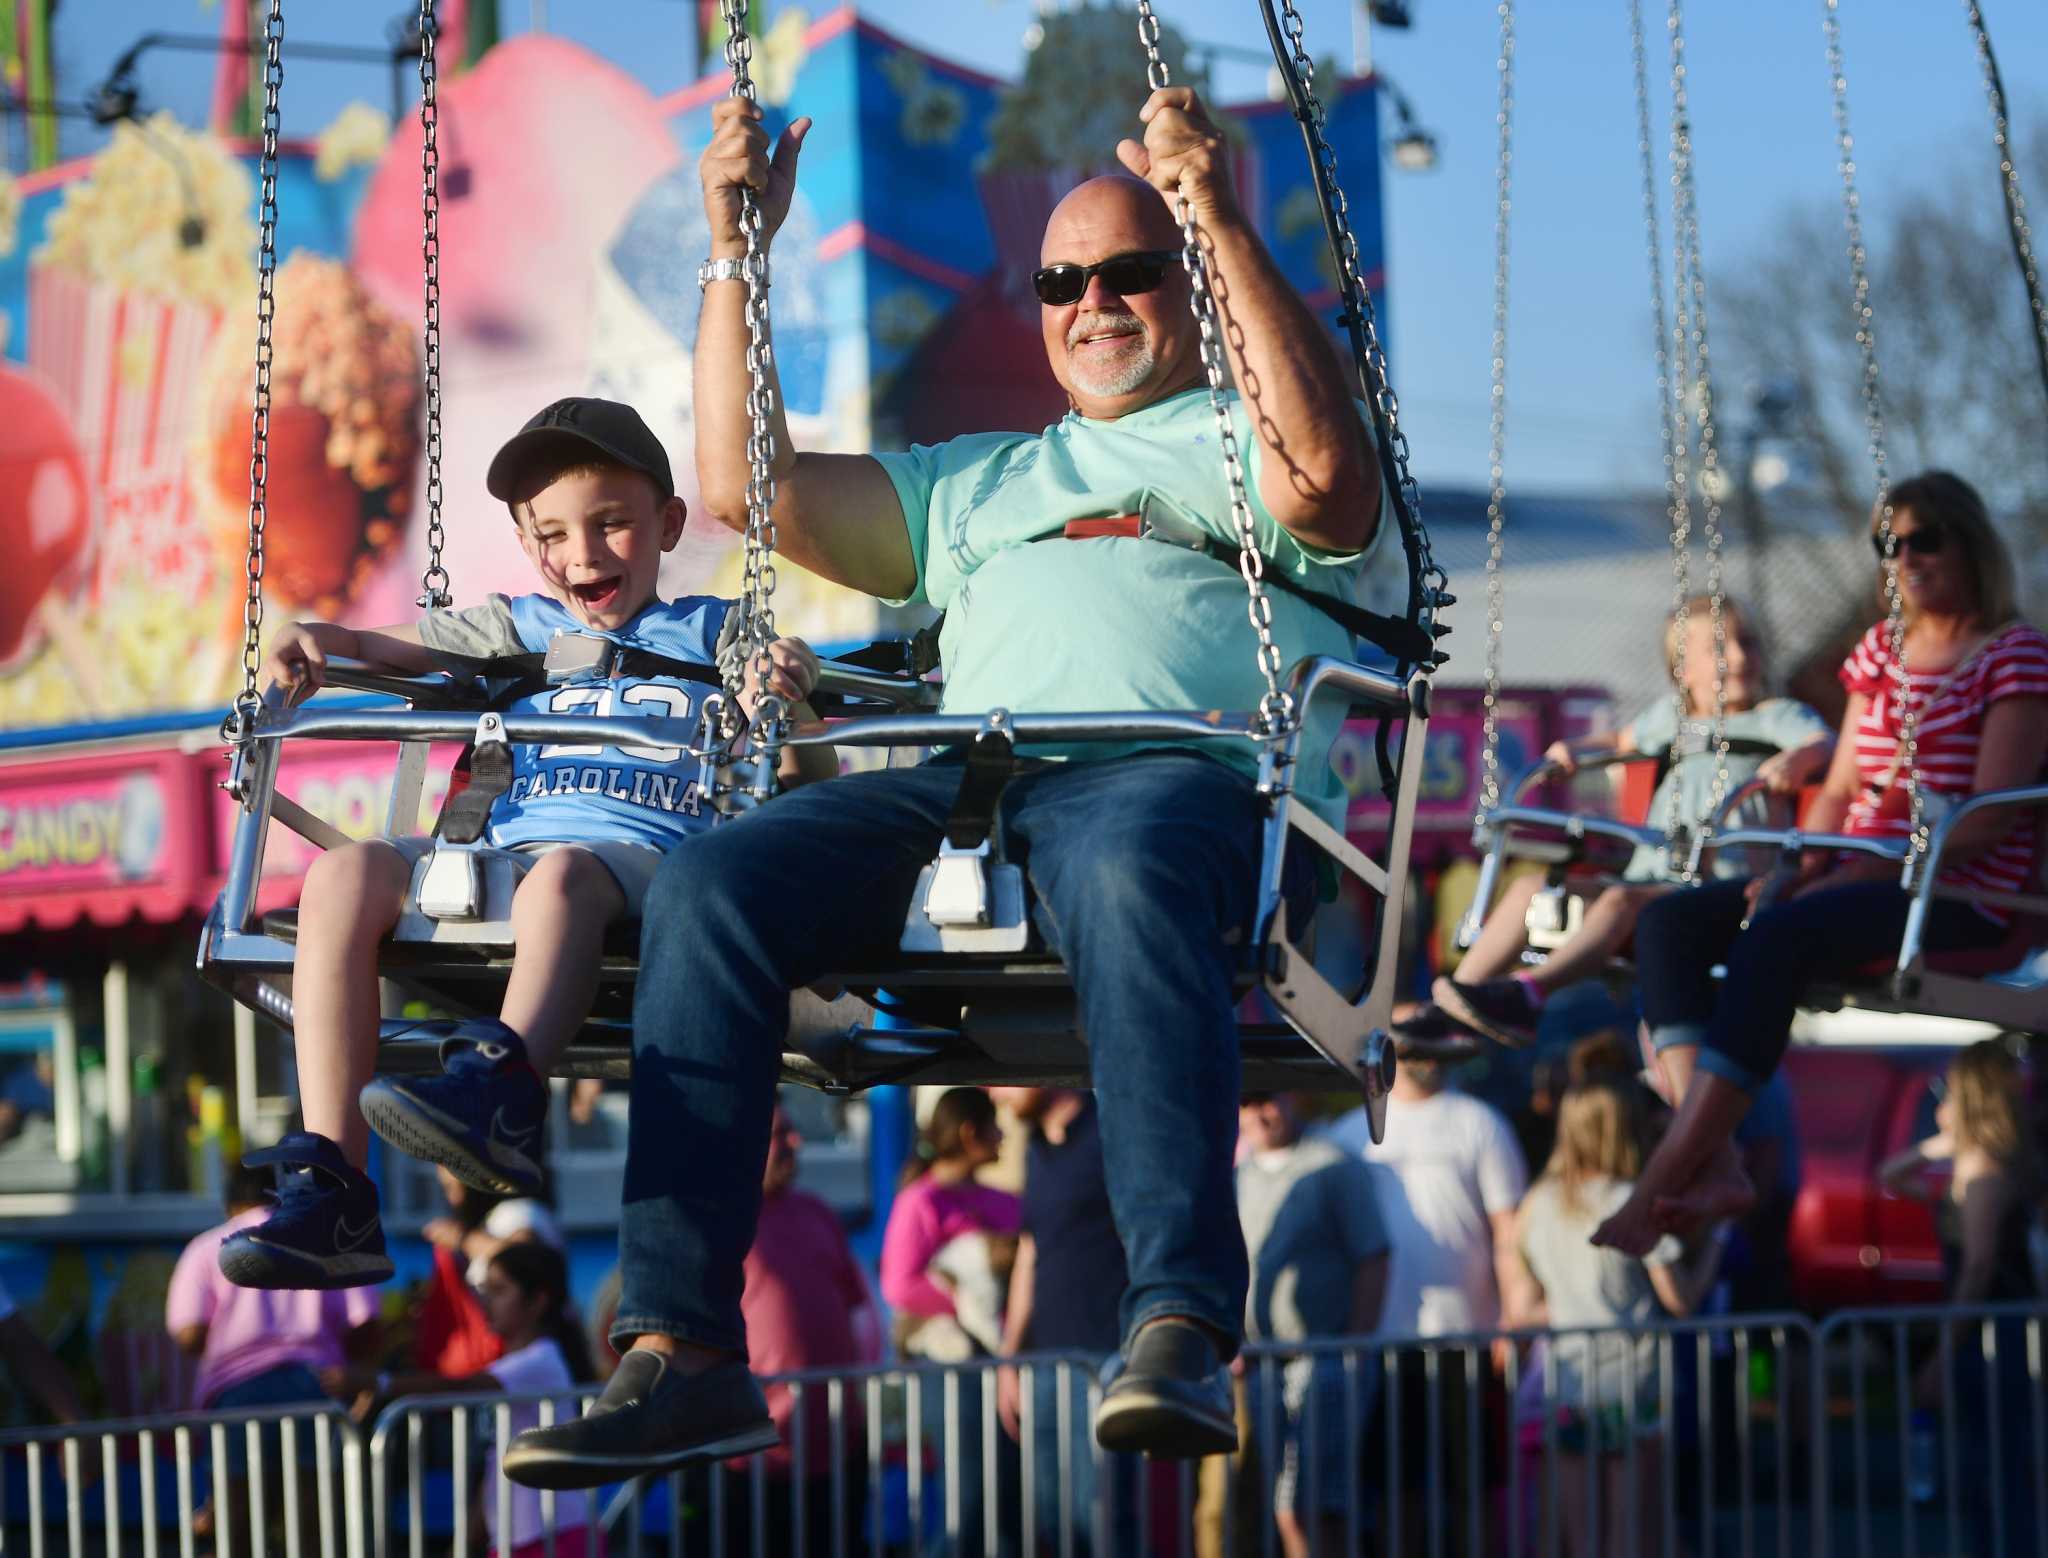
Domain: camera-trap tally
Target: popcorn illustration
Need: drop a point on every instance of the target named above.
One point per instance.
(343, 438)
(355, 137)
(144, 258)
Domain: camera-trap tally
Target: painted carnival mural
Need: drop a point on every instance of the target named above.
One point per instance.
(570, 226)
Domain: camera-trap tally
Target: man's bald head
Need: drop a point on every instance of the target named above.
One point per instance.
(1118, 352)
(1115, 203)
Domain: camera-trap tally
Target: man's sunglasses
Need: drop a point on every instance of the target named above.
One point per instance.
(1123, 274)
(1925, 542)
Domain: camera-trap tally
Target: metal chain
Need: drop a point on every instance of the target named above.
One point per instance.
(434, 592)
(757, 594)
(249, 701)
(1276, 704)
(1497, 498)
(1873, 422)
(1670, 396)
(2009, 179)
(1692, 289)
(1358, 298)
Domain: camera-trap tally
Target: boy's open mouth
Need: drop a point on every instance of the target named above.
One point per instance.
(596, 593)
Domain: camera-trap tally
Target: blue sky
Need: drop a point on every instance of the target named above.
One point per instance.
(1581, 407)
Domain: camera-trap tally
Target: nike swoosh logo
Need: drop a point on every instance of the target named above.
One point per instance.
(347, 1238)
(501, 1132)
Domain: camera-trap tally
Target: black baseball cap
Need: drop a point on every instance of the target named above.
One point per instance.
(574, 428)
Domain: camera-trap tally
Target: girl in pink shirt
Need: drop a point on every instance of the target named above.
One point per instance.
(945, 1270)
(938, 1203)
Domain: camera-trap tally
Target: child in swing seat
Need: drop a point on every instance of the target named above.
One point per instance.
(595, 507)
(1489, 995)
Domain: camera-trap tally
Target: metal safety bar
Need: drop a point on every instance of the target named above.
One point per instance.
(877, 730)
(1923, 876)
(1494, 833)
(438, 689)
(1792, 840)
(253, 778)
(853, 681)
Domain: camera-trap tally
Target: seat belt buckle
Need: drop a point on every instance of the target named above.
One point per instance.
(578, 657)
(450, 884)
(467, 810)
(956, 889)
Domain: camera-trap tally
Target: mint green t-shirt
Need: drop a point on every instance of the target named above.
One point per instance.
(1116, 624)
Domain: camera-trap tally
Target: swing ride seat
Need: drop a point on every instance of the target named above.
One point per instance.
(1578, 848)
(1965, 983)
(1968, 983)
(943, 1013)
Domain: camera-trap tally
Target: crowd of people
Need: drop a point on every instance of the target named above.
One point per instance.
(1437, 1231)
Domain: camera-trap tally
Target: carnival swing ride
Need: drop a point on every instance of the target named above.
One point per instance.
(971, 996)
(1988, 984)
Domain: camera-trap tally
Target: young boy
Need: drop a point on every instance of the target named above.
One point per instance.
(590, 492)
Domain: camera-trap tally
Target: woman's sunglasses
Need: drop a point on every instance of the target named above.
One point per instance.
(1123, 274)
(1924, 542)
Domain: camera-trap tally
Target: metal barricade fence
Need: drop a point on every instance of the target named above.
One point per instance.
(1678, 1437)
(1683, 1436)
(1930, 1432)
(910, 1458)
(245, 1484)
(1753, 1434)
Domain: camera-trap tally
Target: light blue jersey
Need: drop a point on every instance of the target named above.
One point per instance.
(1785, 723)
(576, 794)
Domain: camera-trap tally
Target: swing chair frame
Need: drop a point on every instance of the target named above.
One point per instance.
(1919, 982)
(839, 1045)
(1008, 1010)
(1558, 837)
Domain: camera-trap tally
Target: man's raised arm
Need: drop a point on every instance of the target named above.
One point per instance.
(835, 514)
(1317, 475)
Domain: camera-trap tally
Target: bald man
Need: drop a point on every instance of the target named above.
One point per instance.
(1063, 564)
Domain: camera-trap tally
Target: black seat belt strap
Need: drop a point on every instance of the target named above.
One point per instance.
(1400, 638)
(991, 761)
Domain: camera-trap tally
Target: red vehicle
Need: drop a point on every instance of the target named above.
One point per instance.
(1852, 1243)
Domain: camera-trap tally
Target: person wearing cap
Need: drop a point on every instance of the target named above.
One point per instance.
(595, 507)
(1092, 566)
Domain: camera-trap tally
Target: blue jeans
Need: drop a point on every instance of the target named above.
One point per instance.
(1142, 867)
(1742, 1028)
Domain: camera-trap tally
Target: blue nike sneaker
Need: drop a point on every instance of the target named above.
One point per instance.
(324, 1232)
(483, 1119)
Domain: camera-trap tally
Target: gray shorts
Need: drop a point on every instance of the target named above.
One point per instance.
(632, 865)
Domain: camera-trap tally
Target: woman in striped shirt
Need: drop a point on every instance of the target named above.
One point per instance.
(1977, 682)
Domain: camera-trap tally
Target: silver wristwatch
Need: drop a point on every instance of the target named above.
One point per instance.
(728, 270)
